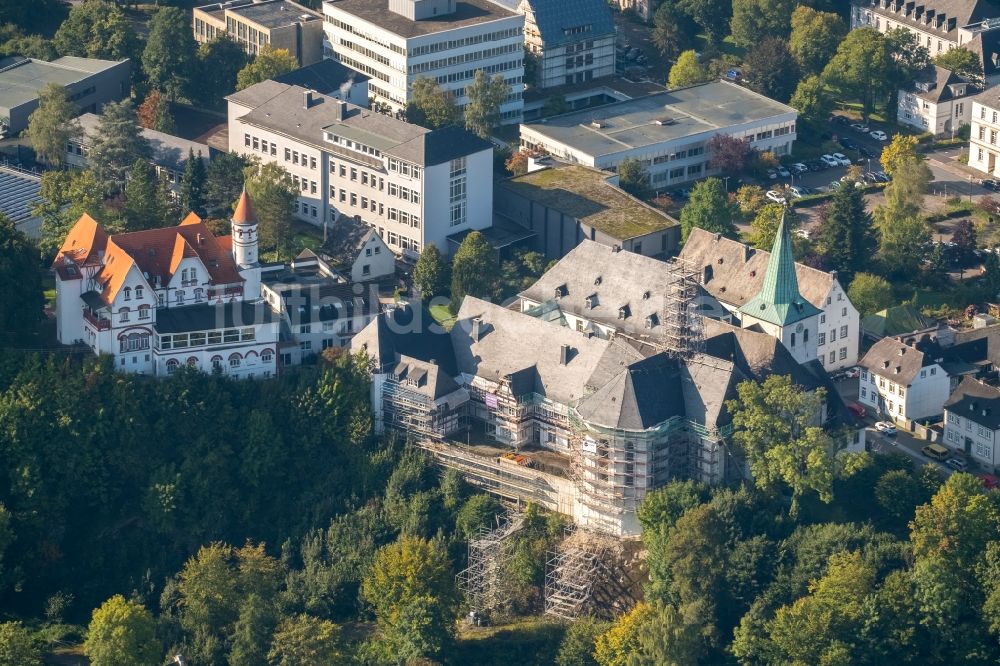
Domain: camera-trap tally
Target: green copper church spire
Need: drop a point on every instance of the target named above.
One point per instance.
(779, 302)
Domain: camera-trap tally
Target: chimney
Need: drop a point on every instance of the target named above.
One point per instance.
(339, 109)
(307, 98)
(477, 328)
(201, 239)
(564, 355)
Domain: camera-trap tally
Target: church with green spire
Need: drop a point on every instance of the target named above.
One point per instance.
(779, 309)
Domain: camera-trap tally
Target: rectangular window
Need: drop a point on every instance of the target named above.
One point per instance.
(246, 140)
(843, 353)
(288, 154)
(843, 331)
(822, 339)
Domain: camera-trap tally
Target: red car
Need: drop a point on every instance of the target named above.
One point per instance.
(856, 409)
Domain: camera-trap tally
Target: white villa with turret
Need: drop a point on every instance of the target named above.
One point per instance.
(160, 299)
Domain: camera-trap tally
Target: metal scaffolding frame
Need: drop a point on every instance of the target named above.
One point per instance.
(682, 324)
(482, 581)
(571, 573)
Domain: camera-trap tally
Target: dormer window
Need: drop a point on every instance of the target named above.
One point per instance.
(591, 301)
(623, 312)
(652, 320)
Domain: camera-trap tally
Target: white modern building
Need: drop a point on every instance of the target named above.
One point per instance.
(984, 134)
(939, 25)
(415, 186)
(571, 42)
(734, 273)
(254, 24)
(667, 132)
(939, 102)
(396, 41)
(903, 380)
(161, 299)
(972, 422)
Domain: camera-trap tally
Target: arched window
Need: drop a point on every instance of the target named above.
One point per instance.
(234, 360)
(805, 336)
(127, 291)
(193, 362)
(217, 363)
(267, 356)
(793, 339)
(138, 292)
(172, 366)
(123, 314)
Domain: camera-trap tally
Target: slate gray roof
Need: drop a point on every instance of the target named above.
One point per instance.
(346, 238)
(964, 12)
(755, 354)
(976, 401)
(424, 377)
(643, 395)
(943, 80)
(207, 317)
(280, 108)
(554, 18)
(18, 194)
(737, 270)
(168, 150)
(897, 361)
(501, 352)
(325, 76)
(611, 280)
(406, 331)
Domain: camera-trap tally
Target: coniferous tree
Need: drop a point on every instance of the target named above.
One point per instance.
(21, 281)
(117, 144)
(845, 235)
(144, 206)
(192, 194)
(224, 182)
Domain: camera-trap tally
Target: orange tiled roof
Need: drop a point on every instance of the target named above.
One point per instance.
(245, 212)
(84, 243)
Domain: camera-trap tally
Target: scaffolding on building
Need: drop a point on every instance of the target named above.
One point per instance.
(412, 412)
(572, 572)
(483, 581)
(682, 324)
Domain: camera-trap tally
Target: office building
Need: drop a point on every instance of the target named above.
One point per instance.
(254, 24)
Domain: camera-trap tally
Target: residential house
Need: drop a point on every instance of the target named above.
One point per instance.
(938, 102)
(734, 273)
(571, 42)
(396, 41)
(162, 299)
(668, 132)
(972, 422)
(983, 136)
(254, 24)
(359, 252)
(903, 379)
(415, 186)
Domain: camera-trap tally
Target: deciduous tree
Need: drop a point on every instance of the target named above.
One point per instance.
(430, 275)
(122, 633)
(274, 196)
(169, 58)
(53, 124)
(673, 30)
(578, 644)
(755, 20)
(269, 63)
(764, 227)
(812, 102)
(730, 154)
(962, 61)
(219, 63)
(18, 646)
(472, 269)
(430, 105)
(771, 70)
(97, 29)
(688, 71)
(64, 197)
(860, 67)
(154, 113)
(708, 209)
(633, 177)
(482, 113)
(815, 37)
(712, 15)
(870, 293)
(304, 640)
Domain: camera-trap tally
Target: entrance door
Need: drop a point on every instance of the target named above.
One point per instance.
(992, 163)
(968, 446)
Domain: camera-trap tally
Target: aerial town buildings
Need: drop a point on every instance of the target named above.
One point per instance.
(413, 185)
(396, 41)
(939, 102)
(571, 42)
(254, 24)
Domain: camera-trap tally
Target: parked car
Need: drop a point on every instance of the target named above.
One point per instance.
(856, 409)
(878, 135)
(957, 464)
(867, 154)
(842, 159)
(734, 75)
(817, 165)
(775, 196)
(798, 168)
(886, 428)
(861, 127)
(848, 144)
(870, 178)
(772, 174)
(829, 160)
(784, 173)
(796, 191)
(990, 184)
(882, 176)
(852, 373)
(935, 451)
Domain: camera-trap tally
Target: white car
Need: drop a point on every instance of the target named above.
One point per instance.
(886, 428)
(796, 191)
(878, 135)
(772, 174)
(829, 160)
(798, 168)
(842, 159)
(803, 233)
(783, 172)
(775, 196)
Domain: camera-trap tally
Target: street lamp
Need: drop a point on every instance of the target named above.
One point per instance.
(726, 179)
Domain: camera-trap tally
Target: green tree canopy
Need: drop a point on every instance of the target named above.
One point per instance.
(224, 183)
(755, 20)
(145, 207)
(122, 633)
(870, 293)
(708, 209)
(711, 15)
(430, 275)
(812, 102)
(577, 646)
(97, 29)
(117, 144)
(673, 30)
(154, 112)
(962, 61)
(771, 70)
(430, 105)
(18, 646)
(764, 228)
(633, 177)
(472, 269)
(64, 197)
(845, 236)
(860, 67)
(269, 63)
(688, 71)
(192, 193)
(304, 640)
(169, 58)
(482, 112)
(219, 63)
(274, 197)
(775, 426)
(53, 124)
(815, 37)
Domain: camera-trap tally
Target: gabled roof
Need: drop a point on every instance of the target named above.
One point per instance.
(85, 243)
(424, 377)
(562, 22)
(325, 76)
(943, 80)
(779, 302)
(643, 395)
(347, 236)
(976, 401)
(406, 331)
(755, 354)
(964, 12)
(896, 320)
(899, 362)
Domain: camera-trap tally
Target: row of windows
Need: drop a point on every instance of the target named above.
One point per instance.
(304, 184)
(404, 193)
(403, 217)
(352, 144)
(123, 313)
(405, 168)
(471, 56)
(347, 27)
(467, 41)
(367, 178)
(833, 355)
(127, 292)
(235, 360)
(361, 67)
(229, 335)
(365, 51)
(490, 70)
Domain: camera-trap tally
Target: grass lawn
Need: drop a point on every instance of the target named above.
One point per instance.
(728, 47)
(442, 315)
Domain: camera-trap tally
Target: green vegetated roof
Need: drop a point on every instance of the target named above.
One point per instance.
(779, 301)
(585, 194)
(895, 320)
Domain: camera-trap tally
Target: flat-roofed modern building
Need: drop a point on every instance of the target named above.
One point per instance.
(564, 205)
(415, 186)
(667, 132)
(254, 24)
(91, 84)
(396, 41)
(572, 42)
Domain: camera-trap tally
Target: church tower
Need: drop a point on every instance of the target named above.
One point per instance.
(779, 309)
(244, 235)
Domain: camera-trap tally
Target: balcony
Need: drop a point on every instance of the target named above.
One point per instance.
(97, 322)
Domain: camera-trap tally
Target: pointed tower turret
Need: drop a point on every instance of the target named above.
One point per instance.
(778, 308)
(244, 227)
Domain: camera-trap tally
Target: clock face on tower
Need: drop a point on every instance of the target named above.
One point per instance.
(798, 329)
